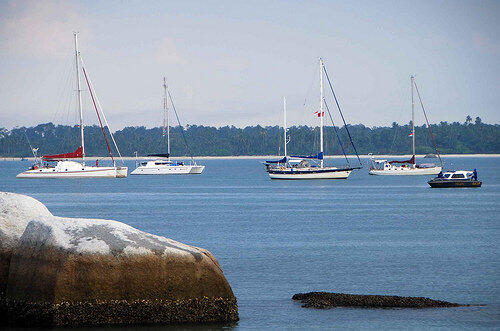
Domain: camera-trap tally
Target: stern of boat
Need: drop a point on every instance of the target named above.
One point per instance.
(121, 172)
(196, 169)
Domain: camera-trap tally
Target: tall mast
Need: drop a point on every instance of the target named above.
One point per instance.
(412, 116)
(165, 107)
(284, 123)
(321, 108)
(79, 94)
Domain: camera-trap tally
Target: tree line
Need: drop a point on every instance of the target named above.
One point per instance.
(457, 138)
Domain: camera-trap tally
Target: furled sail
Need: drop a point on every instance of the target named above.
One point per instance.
(412, 161)
(74, 155)
(319, 156)
(160, 155)
(283, 160)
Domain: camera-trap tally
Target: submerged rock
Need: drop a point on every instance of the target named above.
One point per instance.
(73, 271)
(325, 300)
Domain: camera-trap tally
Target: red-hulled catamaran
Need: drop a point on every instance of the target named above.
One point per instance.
(66, 166)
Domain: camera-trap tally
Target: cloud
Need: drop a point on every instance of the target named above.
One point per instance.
(167, 53)
(485, 44)
(35, 29)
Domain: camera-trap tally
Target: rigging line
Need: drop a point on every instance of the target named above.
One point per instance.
(182, 129)
(99, 117)
(33, 150)
(105, 120)
(340, 111)
(393, 145)
(313, 78)
(60, 92)
(336, 133)
(428, 125)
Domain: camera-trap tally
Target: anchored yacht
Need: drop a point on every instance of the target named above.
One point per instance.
(64, 166)
(408, 167)
(162, 165)
(309, 166)
(167, 167)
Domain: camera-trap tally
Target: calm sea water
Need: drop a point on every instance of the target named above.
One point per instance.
(365, 235)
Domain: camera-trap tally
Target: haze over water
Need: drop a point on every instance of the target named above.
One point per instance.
(365, 235)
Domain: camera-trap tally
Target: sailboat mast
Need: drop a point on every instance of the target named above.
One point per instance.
(412, 117)
(284, 123)
(79, 94)
(321, 108)
(165, 107)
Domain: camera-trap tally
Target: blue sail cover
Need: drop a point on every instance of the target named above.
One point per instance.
(283, 160)
(319, 156)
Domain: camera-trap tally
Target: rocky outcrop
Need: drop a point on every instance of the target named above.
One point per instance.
(68, 271)
(16, 210)
(325, 300)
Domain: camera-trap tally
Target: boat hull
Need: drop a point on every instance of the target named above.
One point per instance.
(407, 171)
(169, 170)
(438, 183)
(86, 172)
(325, 173)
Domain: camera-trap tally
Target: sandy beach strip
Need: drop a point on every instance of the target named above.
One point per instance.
(258, 157)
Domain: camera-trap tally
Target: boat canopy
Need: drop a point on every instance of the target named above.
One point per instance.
(283, 160)
(319, 156)
(412, 161)
(56, 157)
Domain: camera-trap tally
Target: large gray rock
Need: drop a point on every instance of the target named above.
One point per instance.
(16, 210)
(69, 271)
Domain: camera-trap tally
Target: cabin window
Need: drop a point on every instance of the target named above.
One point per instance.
(458, 176)
(447, 176)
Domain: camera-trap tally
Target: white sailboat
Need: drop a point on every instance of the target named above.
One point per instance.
(162, 165)
(65, 167)
(299, 167)
(407, 167)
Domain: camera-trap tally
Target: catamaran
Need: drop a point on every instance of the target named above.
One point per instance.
(162, 165)
(65, 166)
(300, 167)
(408, 167)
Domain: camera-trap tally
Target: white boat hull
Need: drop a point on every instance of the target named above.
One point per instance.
(325, 173)
(169, 170)
(409, 171)
(86, 172)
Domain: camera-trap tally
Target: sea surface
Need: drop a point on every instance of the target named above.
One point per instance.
(366, 235)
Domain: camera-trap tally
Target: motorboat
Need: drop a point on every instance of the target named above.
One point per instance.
(460, 178)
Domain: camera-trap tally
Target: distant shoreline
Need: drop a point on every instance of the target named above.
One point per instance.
(257, 157)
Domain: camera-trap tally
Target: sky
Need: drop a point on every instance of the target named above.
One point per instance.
(232, 62)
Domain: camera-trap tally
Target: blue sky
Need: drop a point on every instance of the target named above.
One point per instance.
(231, 62)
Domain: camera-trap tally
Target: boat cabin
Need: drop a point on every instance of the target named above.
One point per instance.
(160, 163)
(461, 174)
